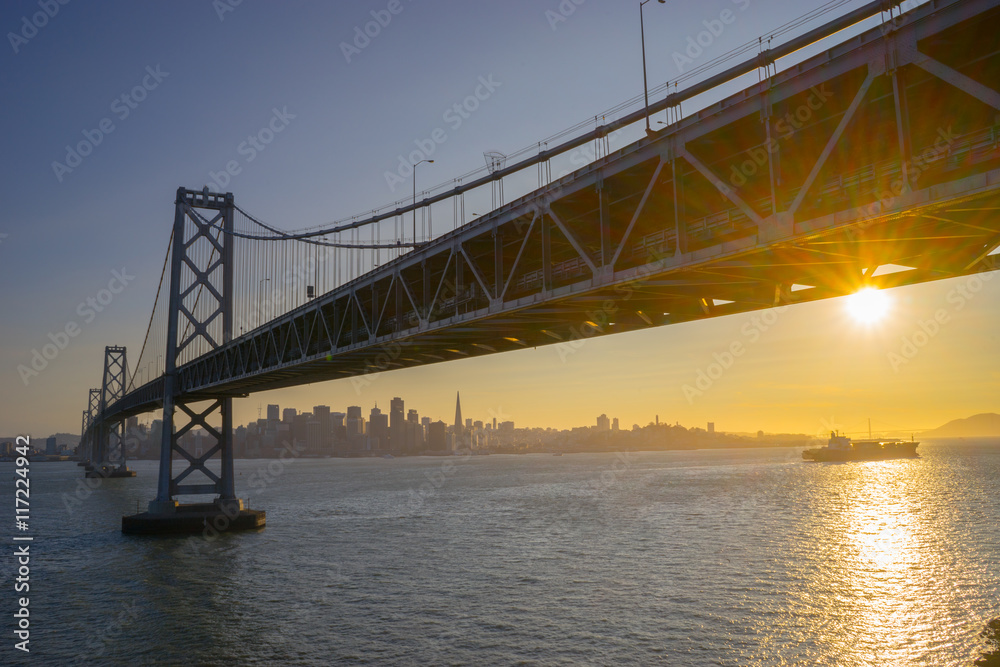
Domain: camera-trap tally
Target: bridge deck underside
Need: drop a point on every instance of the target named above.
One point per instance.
(883, 150)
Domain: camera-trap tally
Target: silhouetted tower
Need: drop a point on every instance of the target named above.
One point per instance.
(458, 414)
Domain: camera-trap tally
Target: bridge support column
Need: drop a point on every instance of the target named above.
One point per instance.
(109, 451)
(89, 441)
(197, 429)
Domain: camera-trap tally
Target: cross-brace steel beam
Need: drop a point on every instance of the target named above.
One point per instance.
(191, 226)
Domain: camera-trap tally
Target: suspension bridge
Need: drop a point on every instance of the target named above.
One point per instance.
(874, 163)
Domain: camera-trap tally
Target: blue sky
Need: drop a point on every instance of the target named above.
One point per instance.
(209, 78)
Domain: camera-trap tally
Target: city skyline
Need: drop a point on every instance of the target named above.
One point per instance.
(601, 422)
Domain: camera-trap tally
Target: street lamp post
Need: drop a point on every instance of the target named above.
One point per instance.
(645, 86)
(415, 197)
(260, 284)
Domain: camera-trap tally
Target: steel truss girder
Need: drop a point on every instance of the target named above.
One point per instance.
(302, 340)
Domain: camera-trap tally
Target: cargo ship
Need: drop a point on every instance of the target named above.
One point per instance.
(841, 448)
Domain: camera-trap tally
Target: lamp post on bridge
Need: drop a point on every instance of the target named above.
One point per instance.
(415, 197)
(645, 86)
(260, 284)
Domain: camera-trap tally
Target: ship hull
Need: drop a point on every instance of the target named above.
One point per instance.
(878, 451)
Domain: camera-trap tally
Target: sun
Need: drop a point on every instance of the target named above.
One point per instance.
(868, 305)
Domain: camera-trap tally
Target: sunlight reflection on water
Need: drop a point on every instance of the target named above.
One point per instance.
(680, 558)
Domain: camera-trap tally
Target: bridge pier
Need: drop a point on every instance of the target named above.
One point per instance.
(201, 265)
(173, 518)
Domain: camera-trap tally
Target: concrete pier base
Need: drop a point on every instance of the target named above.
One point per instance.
(171, 518)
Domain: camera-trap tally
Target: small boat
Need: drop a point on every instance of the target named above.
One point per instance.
(841, 448)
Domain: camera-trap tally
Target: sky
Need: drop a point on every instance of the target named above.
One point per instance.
(167, 93)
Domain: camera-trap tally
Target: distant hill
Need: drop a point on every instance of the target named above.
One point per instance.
(976, 426)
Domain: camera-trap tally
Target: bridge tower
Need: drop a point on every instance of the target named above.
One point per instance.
(81, 447)
(199, 320)
(108, 449)
(89, 442)
(110, 435)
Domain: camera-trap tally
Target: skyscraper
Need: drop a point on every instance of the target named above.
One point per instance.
(338, 432)
(397, 426)
(314, 437)
(355, 426)
(378, 430)
(321, 413)
(436, 439)
(458, 414)
(414, 432)
(603, 423)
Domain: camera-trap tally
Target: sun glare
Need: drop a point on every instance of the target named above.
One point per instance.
(868, 305)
